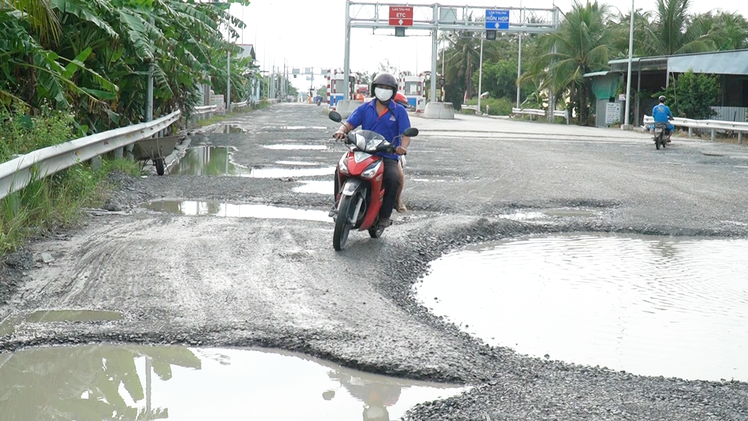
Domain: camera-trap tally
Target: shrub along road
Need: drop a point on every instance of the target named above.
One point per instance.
(222, 281)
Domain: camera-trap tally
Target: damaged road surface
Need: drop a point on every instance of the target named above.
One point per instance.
(182, 264)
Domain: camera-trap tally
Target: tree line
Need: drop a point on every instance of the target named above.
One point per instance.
(92, 57)
(590, 35)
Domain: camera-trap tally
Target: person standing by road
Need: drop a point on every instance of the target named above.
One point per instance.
(386, 117)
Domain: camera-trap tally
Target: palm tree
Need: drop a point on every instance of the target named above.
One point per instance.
(461, 60)
(581, 45)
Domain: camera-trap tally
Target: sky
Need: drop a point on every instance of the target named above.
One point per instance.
(310, 33)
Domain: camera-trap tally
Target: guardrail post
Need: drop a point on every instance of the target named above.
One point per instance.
(96, 162)
(690, 132)
(118, 153)
(740, 138)
(714, 135)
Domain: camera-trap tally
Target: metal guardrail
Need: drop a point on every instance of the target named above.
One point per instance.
(239, 104)
(541, 113)
(204, 110)
(712, 125)
(17, 173)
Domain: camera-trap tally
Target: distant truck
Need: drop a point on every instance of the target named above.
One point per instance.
(413, 88)
(336, 86)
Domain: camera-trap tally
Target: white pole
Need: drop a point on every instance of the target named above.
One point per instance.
(434, 52)
(480, 76)
(626, 124)
(347, 59)
(519, 54)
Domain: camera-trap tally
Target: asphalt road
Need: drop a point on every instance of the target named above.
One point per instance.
(216, 281)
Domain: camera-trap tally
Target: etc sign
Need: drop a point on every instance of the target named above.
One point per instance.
(401, 16)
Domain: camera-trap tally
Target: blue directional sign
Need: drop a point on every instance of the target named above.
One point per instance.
(497, 19)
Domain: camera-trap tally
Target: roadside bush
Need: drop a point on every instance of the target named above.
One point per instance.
(21, 133)
(692, 95)
(496, 106)
(52, 202)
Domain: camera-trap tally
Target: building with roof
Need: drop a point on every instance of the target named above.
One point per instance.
(652, 74)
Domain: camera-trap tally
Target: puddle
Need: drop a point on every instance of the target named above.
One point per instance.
(296, 147)
(179, 383)
(552, 213)
(648, 305)
(319, 187)
(228, 210)
(296, 163)
(8, 326)
(289, 172)
(211, 160)
(272, 128)
(229, 128)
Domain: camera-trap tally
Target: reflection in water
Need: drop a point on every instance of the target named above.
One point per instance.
(8, 326)
(647, 305)
(118, 382)
(211, 160)
(85, 383)
(197, 208)
(206, 160)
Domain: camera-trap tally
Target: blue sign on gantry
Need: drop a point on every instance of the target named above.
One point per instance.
(497, 19)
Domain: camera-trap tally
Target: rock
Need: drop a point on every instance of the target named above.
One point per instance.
(47, 258)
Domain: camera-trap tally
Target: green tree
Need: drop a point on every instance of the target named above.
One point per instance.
(692, 95)
(582, 45)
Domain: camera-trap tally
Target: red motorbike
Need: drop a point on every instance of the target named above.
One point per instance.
(360, 192)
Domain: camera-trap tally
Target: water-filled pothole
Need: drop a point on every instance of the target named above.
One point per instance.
(318, 187)
(212, 160)
(228, 210)
(45, 316)
(150, 382)
(648, 305)
(290, 147)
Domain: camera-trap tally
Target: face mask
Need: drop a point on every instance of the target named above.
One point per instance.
(383, 94)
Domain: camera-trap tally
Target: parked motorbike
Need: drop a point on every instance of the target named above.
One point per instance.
(360, 175)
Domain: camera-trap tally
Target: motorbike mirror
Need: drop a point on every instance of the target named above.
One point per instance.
(335, 116)
(410, 132)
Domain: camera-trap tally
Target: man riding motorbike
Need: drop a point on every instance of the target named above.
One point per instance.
(661, 114)
(386, 117)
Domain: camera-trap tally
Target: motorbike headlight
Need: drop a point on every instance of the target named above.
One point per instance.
(343, 164)
(371, 170)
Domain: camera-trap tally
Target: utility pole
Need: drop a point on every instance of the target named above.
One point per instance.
(480, 75)
(626, 124)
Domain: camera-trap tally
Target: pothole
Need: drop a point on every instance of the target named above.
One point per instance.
(317, 187)
(676, 307)
(157, 382)
(8, 326)
(294, 147)
(211, 160)
(277, 128)
(229, 210)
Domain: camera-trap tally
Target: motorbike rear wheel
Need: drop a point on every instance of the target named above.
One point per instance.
(343, 222)
(658, 141)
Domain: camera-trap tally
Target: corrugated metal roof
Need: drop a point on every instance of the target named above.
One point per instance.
(720, 63)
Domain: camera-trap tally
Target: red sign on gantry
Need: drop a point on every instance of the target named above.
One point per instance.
(401, 16)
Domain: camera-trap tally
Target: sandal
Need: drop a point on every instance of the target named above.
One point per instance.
(401, 208)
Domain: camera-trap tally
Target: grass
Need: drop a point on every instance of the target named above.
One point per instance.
(54, 202)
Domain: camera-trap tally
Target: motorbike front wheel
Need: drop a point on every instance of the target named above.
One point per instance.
(343, 222)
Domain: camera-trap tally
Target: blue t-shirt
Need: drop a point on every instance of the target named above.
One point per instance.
(660, 113)
(393, 123)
